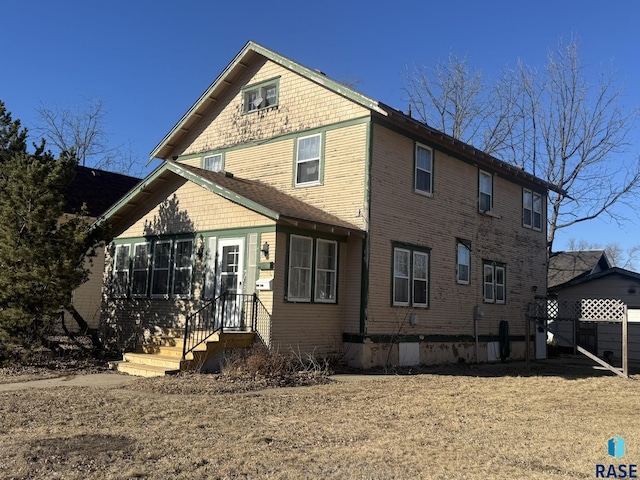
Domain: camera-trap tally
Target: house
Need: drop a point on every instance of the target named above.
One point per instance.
(96, 190)
(589, 275)
(361, 232)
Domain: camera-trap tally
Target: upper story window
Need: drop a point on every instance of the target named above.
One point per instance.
(410, 277)
(531, 209)
(464, 260)
(424, 170)
(215, 163)
(308, 160)
(485, 191)
(263, 95)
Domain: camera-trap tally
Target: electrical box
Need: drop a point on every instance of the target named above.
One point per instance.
(264, 284)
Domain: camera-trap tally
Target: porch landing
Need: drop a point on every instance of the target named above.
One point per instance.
(162, 355)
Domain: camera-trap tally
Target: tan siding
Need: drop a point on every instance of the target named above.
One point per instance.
(302, 105)
(349, 290)
(86, 298)
(306, 327)
(189, 208)
(342, 191)
(399, 214)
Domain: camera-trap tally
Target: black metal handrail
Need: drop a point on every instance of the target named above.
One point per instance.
(200, 325)
(229, 311)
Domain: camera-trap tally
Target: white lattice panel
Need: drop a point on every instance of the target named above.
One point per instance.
(586, 310)
(602, 310)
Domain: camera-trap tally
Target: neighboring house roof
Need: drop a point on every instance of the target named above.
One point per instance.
(566, 267)
(600, 274)
(251, 194)
(98, 189)
(384, 112)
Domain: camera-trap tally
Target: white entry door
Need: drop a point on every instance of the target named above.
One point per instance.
(230, 276)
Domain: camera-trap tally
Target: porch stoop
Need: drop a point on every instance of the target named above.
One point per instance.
(163, 354)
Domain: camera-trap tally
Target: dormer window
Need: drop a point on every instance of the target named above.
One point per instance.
(258, 97)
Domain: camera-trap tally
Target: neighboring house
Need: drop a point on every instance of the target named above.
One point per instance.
(363, 232)
(97, 190)
(586, 275)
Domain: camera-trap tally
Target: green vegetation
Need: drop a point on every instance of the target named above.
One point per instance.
(42, 253)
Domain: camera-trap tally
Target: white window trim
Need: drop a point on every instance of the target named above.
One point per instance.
(491, 287)
(154, 269)
(307, 160)
(411, 252)
(334, 270)
(482, 173)
(503, 284)
(290, 297)
(429, 192)
(261, 89)
(425, 280)
(125, 270)
(214, 156)
(134, 269)
(176, 268)
(533, 211)
(407, 278)
(458, 263)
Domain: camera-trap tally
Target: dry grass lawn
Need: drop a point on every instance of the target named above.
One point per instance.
(456, 422)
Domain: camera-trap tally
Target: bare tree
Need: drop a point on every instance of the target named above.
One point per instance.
(553, 122)
(83, 130)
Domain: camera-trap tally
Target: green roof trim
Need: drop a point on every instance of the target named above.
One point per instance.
(192, 177)
(238, 62)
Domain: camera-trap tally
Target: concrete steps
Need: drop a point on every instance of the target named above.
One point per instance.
(162, 355)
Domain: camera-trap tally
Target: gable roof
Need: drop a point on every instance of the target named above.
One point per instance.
(600, 274)
(381, 111)
(230, 74)
(565, 267)
(251, 194)
(98, 189)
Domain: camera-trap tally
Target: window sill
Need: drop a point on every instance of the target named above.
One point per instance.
(423, 193)
(489, 213)
(263, 109)
(307, 184)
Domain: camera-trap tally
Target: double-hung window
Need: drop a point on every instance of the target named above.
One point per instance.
(326, 271)
(120, 283)
(257, 97)
(531, 209)
(300, 260)
(215, 163)
(140, 269)
(410, 277)
(494, 282)
(182, 265)
(313, 271)
(308, 160)
(160, 268)
(485, 191)
(463, 268)
(424, 170)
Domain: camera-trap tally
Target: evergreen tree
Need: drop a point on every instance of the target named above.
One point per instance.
(42, 251)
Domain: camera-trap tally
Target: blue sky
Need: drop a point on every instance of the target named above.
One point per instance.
(150, 60)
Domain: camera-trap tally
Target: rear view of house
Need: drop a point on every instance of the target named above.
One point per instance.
(360, 231)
